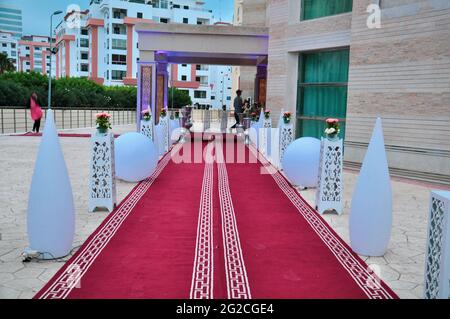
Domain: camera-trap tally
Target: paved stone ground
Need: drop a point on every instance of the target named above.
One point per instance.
(402, 267)
(17, 156)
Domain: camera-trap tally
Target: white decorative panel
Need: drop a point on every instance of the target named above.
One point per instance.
(437, 262)
(164, 123)
(286, 137)
(329, 191)
(147, 128)
(265, 136)
(223, 121)
(102, 184)
(206, 119)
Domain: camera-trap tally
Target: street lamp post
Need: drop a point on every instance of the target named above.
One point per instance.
(51, 53)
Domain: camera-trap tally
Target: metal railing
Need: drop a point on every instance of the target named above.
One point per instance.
(16, 119)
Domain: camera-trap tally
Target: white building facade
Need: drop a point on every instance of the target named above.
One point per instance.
(34, 55)
(9, 46)
(100, 43)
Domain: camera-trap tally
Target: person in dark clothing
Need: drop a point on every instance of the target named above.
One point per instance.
(237, 107)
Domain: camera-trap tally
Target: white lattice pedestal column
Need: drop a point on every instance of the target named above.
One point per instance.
(102, 184)
(223, 121)
(437, 258)
(164, 123)
(147, 128)
(329, 190)
(286, 137)
(265, 135)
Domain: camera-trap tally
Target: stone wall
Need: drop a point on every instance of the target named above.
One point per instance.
(252, 13)
(400, 72)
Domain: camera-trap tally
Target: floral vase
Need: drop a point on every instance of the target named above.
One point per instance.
(102, 130)
(286, 121)
(332, 137)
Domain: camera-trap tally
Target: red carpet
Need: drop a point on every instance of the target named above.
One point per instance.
(214, 230)
(289, 250)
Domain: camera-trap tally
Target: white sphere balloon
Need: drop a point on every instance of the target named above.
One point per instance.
(301, 161)
(136, 157)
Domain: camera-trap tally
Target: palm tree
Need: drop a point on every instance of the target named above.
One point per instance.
(6, 64)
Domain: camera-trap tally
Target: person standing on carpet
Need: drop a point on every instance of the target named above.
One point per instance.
(36, 112)
(237, 107)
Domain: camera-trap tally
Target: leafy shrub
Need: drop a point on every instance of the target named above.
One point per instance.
(16, 89)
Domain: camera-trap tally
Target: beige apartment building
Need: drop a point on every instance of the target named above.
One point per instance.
(329, 59)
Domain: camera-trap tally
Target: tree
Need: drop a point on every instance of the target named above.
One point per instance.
(27, 83)
(16, 89)
(6, 64)
(180, 98)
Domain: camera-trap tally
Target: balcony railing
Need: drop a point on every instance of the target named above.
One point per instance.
(16, 119)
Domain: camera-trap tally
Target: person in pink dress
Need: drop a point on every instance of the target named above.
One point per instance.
(36, 112)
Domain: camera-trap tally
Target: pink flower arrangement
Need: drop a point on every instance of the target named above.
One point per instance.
(103, 121)
(146, 116)
(287, 117)
(332, 121)
(332, 127)
(266, 114)
(103, 115)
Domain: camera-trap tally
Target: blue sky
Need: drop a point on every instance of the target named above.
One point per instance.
(36, 13)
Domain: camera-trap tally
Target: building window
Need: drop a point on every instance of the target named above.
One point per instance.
(118, 75)
(312, 9)
(185, 20)
(321, 90)
(228, 98)
(119, 44)
(4, 45)
(84, 67)
(140, 15)
(84, 56)
(13, 45)
(213, 97)
(163, 4)
(164, 20)
(119, 13)
(200, 94)
(176, 6)
(183, 78)
(119, 29)
(184, 65)
(119, 59)
(198, 67)
(84, 43)
(84, 31)
(27, 48)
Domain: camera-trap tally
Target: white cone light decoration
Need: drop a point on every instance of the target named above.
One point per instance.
(371, 208)
(51, 212)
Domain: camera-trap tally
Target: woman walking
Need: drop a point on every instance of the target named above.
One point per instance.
(36, 112)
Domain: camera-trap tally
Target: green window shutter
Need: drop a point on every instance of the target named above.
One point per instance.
(312, 9)
(322, 90)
